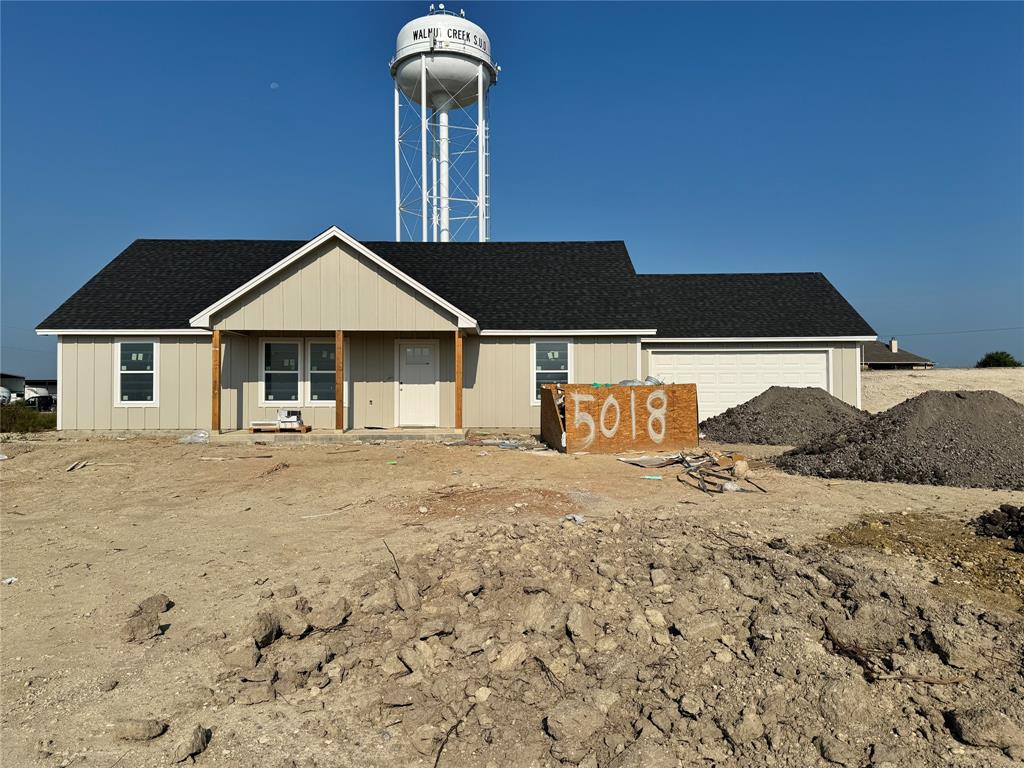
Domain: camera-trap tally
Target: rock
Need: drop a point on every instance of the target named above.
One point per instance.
(511, 657)
(746, 728)
(580, 624)
(292, 623)
(241, 655)
(141, 627)
(139, 730)
(986, 728)
(257, 693)
(288, 590)
(424, 738)
(645, 752)
(407, 595)
(196, 743)
(659, 576)
(158, 603)
(482, 694)
(264, 629)
(381, 601)
(108, 684)
(467, 582)
(331, 616)
(573, 720)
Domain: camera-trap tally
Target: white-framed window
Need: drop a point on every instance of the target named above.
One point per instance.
(320, 366)
(550, 363)
(280, 372)
(136, 372)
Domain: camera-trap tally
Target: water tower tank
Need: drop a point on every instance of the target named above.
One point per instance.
(442, 70)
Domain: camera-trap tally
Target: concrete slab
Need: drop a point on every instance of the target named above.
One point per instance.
(326, 436)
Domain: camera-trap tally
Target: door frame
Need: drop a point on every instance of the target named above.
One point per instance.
(436, 344)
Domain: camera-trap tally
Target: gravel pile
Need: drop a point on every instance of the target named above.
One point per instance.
(966, 439)
(1007, 522)
(631, 642)
(783, 416)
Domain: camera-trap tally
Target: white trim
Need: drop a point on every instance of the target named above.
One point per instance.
(826, 350)
(203, 318)
(123, 332)
(569, 342)
(262, 373)
(307, 373)
(118, 402)
(759, 339)
(860, 350)
(436, 343)
(639, 359)
(564, 333)
(60, 384)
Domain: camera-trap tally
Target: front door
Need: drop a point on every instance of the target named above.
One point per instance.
(418, 403)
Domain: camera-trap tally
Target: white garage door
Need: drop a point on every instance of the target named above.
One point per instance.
(725, 379)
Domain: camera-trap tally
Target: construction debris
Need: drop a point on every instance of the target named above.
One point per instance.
(711, 472)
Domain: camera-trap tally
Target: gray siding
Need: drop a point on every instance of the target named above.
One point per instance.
(334, 288)
(88, 385)
(843, 373)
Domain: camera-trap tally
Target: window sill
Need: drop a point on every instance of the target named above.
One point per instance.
(139, 404)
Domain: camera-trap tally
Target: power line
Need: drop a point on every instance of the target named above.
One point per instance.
(952, 333)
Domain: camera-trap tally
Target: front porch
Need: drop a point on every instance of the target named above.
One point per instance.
(393, 383)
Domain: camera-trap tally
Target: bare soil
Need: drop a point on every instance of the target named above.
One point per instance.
(227, 539)
(881, 390)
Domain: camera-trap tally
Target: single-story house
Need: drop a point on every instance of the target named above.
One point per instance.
(879, 356)
(185, 334)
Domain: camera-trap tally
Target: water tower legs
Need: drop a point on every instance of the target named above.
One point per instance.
(443, 147)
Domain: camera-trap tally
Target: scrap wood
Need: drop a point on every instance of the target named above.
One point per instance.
(86, 463)
(233, 458)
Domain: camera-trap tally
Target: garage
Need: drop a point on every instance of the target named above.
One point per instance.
(729, 377)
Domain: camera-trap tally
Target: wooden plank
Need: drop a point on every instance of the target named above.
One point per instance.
(299, 428)
(458, 379)
(552, 430)
(618, 418)
(339, 380)
(215, 392)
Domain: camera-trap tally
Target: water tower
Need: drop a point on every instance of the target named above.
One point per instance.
(442, 70)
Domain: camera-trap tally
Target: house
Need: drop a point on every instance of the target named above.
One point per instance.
(182, 334)
(879, 356)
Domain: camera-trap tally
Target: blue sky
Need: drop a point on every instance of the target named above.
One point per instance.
(879, 143)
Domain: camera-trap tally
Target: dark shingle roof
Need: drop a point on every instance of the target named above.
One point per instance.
(161, 284)
(875, 352)
(758, 305)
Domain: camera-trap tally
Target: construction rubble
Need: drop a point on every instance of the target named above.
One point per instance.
(639, 640)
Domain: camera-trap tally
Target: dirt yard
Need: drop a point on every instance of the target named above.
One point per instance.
(881, 390)
(227, 531)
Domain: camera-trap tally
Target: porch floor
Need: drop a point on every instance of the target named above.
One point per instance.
(422, 434)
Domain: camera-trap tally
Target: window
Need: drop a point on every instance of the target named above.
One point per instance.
(136, 372)
(281, 367)
(320, 364)
(551, 363)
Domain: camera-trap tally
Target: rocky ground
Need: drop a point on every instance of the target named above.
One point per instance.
(784, 416)
(969, 439)
(240, 605)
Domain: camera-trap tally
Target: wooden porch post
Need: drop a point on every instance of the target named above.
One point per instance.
(339, 380)
(215, 400)
(458, 379)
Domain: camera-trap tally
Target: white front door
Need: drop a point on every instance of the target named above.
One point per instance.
(418, 390)
(728, 378)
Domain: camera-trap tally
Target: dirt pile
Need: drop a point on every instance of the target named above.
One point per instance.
(783, 416)
(635, 642)
(966, 439)
(1007, 522)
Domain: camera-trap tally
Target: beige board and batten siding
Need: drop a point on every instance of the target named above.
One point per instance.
(88, 385)
(498, 375)
(369, 373)
(843, 359)
(333, 287)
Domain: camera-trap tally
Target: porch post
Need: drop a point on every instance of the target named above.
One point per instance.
(458, 379)
(215, 399)
(339, 380)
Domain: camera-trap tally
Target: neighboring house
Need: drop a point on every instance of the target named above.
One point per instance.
(182, 334)
(13, 383)
(880, 356)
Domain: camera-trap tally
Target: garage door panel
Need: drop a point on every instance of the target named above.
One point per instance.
(728, 378)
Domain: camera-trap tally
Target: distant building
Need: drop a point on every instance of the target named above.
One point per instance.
(41, 387)
(879, 356)
(13, 383)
